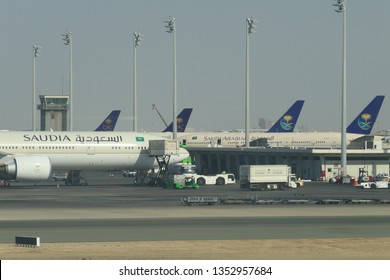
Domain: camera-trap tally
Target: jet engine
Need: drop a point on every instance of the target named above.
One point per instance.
(27, 168)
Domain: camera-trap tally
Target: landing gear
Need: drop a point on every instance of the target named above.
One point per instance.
(74, 178)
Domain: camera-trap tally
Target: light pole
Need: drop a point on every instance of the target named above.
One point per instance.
(171, 25)
(35, 55)
(341, 5)
(250, 28)
(137, 40)
(68, 42)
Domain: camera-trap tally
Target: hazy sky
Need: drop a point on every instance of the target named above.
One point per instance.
(294, 54)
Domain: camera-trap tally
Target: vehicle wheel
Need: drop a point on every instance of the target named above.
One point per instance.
(281, 187)
(373, 186)
(201, 181)
(220, 181)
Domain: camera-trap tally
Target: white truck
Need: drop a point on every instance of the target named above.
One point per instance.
(190, 170)
(374, 185)
(266, 177)
(217, 179)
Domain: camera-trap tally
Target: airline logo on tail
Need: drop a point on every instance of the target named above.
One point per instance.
(181, 121)
(109, 123)
(365, 121)
(287, 122)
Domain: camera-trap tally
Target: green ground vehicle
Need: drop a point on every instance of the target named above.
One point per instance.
(181, 182)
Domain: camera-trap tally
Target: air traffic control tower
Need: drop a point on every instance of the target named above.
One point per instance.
(54, 112)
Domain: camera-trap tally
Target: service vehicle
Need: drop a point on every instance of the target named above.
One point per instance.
(59, 176)
(4, 183)
(298, 181)
(266, 177)
(380, 181)
(216, 179)
(180, 182)
(373, 185)
(129, 173)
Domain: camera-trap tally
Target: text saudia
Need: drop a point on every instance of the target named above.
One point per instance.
(66, 138)
(232, 138)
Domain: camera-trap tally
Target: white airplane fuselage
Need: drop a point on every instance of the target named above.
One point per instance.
(293, 139)
(32, 155)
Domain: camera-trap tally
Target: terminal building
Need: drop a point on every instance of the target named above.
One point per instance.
(368, 152)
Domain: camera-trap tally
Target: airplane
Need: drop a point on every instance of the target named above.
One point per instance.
(181, 120)
(109, 122)
(34, 155)
(366, 119)
(287, 122)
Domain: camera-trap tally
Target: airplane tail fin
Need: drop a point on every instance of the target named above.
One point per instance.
(364, 122)
(109, 123)
(182, 120)
(287, 122)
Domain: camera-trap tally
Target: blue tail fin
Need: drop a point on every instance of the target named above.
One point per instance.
(182, 120)
(287, 122)
(109, 123)
(364, 122)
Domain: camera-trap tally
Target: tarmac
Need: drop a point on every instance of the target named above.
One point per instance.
(115, 218)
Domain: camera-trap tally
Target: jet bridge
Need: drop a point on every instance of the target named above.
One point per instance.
(162, 150)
